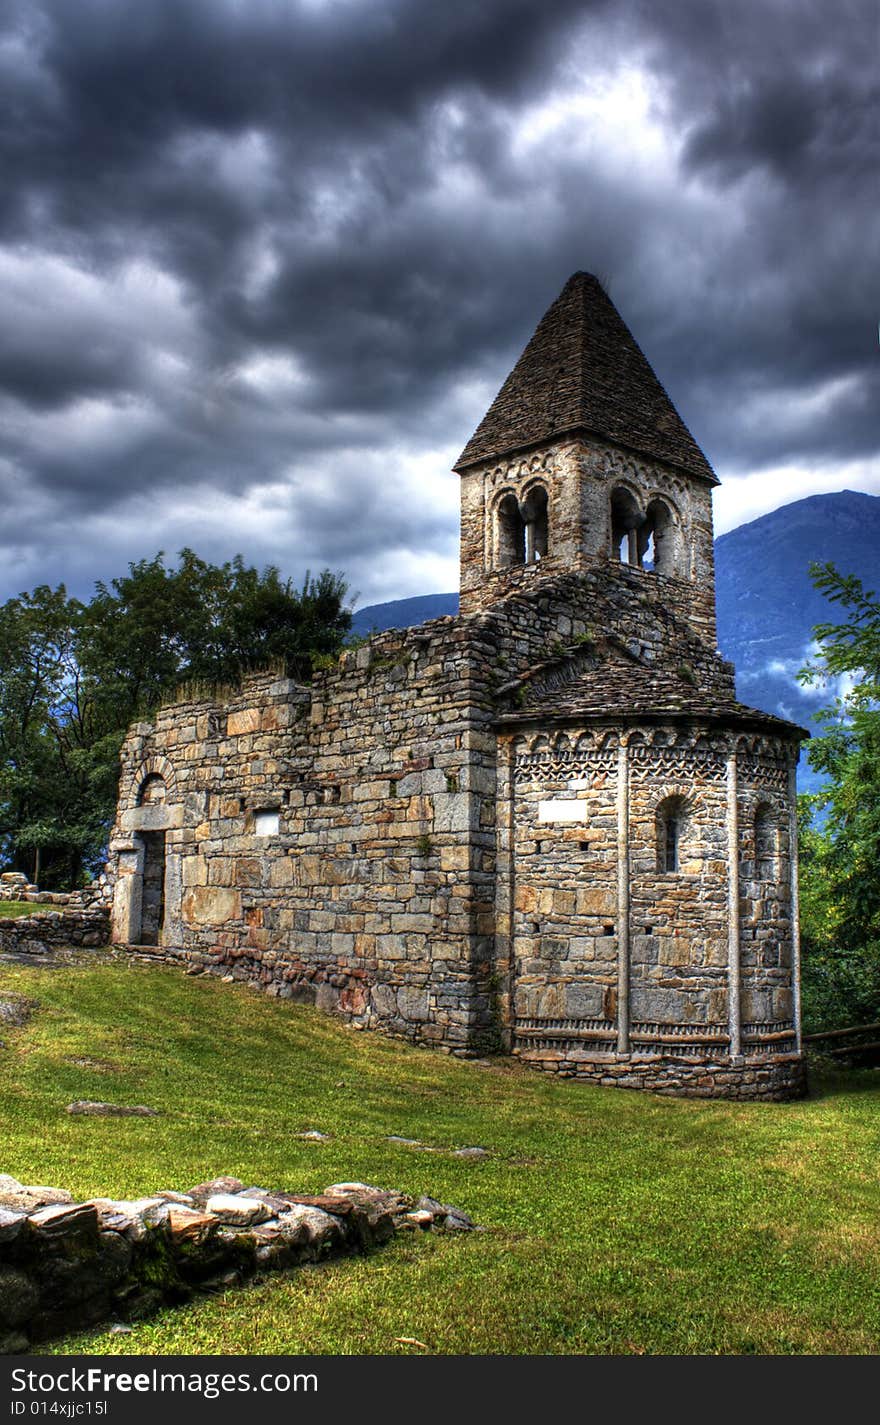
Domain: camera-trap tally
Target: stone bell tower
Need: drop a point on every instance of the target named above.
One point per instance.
(582, 459)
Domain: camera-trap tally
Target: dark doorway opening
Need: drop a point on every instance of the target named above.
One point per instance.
(153, 902)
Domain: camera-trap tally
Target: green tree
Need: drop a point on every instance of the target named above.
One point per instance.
(840, 825)
(73, 676)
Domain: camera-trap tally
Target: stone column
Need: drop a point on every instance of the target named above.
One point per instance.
(505, 863)
(795, 901)
(623, 898)
(734, 1017)
(128, 893)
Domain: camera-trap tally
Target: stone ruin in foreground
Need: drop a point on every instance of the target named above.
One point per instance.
(65, 1266)
(546, 826)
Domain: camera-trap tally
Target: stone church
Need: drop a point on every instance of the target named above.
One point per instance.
(546, 826)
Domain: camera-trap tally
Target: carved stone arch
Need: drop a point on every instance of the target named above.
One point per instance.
(659, 537)
(610, 742)
(508, 530)
(563, 744)
(625, 519)
(663, 737)
(540, 744)
(584, 743)
(153, 769)
(520, 747)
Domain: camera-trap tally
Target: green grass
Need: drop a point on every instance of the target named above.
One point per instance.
(617, 1222)
(10, 909)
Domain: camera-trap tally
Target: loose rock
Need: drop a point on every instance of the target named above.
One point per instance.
(94, 1109)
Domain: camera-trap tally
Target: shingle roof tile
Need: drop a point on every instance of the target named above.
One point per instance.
(584, 370)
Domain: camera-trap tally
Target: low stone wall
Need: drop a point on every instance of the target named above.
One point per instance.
(14, 886)
(66, 1266)
(778, 1077)
(41, 933)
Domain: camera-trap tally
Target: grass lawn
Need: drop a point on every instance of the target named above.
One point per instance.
(617, 1222)
(10, 909)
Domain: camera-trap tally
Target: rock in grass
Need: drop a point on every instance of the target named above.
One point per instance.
(16, 1012)
(10, 1224)
(236, 1211)
(454, 1220)
(91, 1108)
(22, 1197)
(310, 1224)
(65, 1220)
(202, 1191)
(185, 1224)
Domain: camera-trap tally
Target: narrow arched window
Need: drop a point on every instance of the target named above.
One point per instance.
(510, 537)
(670, 830)
(152, 791)
(657, 539)
(765, 843)
(626, 521)
(534, 514)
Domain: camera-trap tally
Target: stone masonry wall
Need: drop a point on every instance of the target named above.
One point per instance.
(579, 476)
(586, 916)
(375, 895)
(37, 934)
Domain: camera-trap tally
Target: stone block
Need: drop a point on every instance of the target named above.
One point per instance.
(326, 997)
(384, 999)
(413, 1003)
(211, 905)
(583, 1001)
(454, 811)
(238, 723)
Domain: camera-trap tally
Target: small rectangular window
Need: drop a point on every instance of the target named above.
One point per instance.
(266, 823)
(672, 844)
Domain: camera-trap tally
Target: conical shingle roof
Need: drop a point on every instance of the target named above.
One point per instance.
(584, 370)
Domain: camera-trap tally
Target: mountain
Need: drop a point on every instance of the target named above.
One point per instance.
(767, 605)
(402, 613)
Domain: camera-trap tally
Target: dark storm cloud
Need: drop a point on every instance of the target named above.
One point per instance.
(248, 245)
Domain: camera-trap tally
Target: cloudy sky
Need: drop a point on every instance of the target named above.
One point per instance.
(265, 263)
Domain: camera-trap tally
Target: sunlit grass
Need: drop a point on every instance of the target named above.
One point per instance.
(10, 910)
(616, 1222)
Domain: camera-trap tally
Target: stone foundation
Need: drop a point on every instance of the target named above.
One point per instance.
(779, 1077)
(66, 1266)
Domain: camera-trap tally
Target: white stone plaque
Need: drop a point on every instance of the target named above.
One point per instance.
(266, 823)
(558, 810)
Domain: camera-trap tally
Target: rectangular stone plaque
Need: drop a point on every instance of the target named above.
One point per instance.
(558, 810)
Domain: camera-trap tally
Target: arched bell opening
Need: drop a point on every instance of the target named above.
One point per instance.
(534, 515)
(626, 522)
(510, 538)
(657, 539)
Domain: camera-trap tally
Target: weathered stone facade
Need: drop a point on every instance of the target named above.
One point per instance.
(546, 825)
